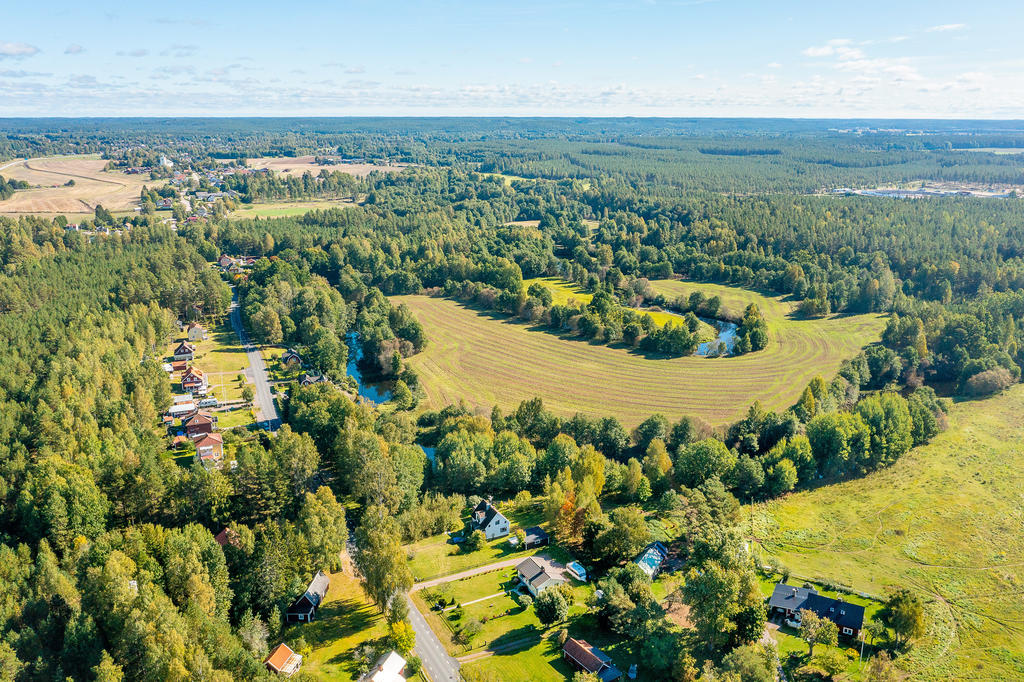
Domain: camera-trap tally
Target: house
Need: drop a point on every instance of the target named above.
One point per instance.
(196, 332)
(487, 518)
(179, 365)
(181, 410)
(537, 574)
(652, 558)
(787, 601)
(199, 424)
(303, 609)
(227, 537)
(194, 381)
(184, 351)
(535, 537)
(209, 448)
(389, 668)
(225, 260)
(590, 659)
(291, 358)
(283, 661)
(310, 378)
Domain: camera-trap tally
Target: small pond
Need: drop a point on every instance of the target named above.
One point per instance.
(726, 334)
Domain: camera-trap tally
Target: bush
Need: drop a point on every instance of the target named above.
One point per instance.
(988, 382)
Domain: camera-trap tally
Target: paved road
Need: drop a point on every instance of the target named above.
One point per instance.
(263, 397)
(439, 666)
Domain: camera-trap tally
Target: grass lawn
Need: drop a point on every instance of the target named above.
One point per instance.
(945, 521)
(462, 361)
(346, 620)
(434, 557)
(504, 621)
(240, 416)
(543, 661)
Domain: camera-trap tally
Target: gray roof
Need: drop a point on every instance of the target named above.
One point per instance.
(788, 597)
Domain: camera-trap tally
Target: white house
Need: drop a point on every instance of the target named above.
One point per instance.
(492, 522)
(537, 575)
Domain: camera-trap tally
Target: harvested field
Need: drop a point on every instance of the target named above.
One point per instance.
(116, 191)
(487, 359)
(297, 165)
(285, 209)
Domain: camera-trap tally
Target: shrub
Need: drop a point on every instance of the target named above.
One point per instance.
(988, 382)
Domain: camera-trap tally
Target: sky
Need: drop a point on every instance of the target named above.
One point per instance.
(895, 59)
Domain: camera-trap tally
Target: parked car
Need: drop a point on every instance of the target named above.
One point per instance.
(208, 402)
(793, 622)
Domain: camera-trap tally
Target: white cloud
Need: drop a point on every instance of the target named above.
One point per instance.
(837, 47)
(17, 50)
(355, 69)
(774, 65)
(139, 52)
(179, 51)
(74, 48)
(942, 28)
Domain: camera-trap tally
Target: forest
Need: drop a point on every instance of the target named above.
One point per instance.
(107, 544)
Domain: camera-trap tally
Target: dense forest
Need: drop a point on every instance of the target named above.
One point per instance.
(107, 547)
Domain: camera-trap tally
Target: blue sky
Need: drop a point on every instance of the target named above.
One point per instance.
(560, 57)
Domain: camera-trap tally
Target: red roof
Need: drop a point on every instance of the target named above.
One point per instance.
(582, 652)
(279, 657)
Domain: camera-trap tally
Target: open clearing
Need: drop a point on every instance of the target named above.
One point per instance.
(286, 209)
(947, 521)
(116, 191)
(297, 165)
(490, 360)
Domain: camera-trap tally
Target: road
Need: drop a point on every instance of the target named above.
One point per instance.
(439, 666)
(263, 397)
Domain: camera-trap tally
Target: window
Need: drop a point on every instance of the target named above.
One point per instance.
(847, 631)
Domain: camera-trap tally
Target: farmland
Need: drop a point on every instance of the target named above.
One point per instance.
(297, 165)
(92, 185)
(945, 520)
(492, 360)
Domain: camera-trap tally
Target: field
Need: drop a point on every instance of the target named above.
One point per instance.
(487, 360)
(116, 191)
(946, 521)
(297, 165)
(285, 209)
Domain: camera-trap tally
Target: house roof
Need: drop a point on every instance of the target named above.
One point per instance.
(209, 439)
(314, 594)
(184, 346)
(587, 656)
(788, 597)
(538, 572)
(195, 325)
(842, 613)
(388, 668)
(226, 537)
(280, 657)
(535, 534)
(489, 511)
(193, 372)
(197, 418)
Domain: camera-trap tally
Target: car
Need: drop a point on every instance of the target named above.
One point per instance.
(793, 622)
(208, 402)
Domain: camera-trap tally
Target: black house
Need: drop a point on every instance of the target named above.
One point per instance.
(787, 600)
(304, 608)
(535, 537)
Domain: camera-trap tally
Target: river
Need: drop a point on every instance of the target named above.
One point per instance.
(374, 392)
(726, 334)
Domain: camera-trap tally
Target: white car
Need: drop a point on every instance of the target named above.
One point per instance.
(793, 623)
(208, 402)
